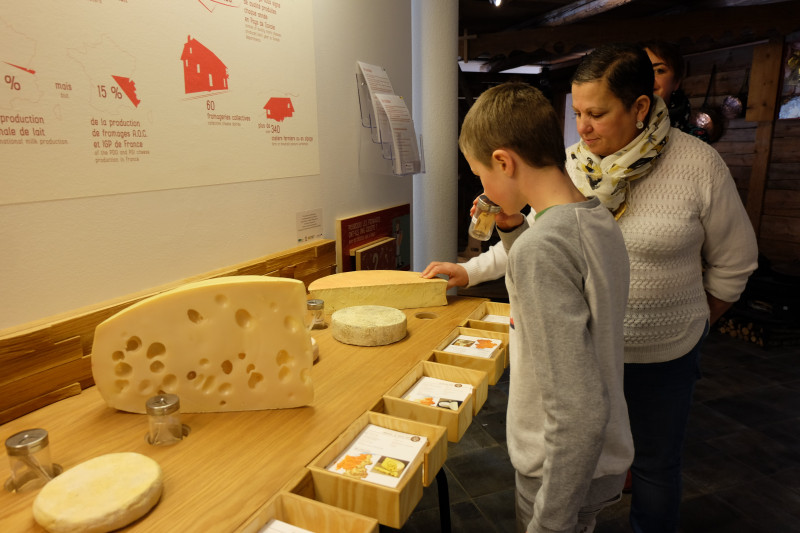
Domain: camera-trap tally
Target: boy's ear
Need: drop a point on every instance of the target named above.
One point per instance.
(504, 160)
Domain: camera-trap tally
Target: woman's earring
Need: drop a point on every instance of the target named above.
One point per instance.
(639, 125)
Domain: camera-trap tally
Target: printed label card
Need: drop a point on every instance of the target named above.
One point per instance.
(497, 319)
(438, 393)
(277, 526)
(474, 346)
(379, 455)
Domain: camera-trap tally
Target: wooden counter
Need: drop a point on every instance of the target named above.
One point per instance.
(231, 464)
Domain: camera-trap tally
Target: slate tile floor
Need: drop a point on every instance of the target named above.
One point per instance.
(741, 463)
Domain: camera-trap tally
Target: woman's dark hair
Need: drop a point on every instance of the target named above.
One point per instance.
(626, 67)
(670, 54)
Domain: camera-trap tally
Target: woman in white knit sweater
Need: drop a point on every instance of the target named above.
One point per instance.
(691, 249)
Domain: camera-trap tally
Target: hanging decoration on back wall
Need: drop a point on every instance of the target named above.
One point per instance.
(790, 93)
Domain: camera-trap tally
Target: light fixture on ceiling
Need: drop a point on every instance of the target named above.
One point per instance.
(496, 3)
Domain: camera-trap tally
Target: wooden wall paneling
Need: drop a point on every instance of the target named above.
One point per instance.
(765, 86)
(782, 203)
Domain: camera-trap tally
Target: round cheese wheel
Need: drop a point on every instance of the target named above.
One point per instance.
(102, 494)
(368, 325)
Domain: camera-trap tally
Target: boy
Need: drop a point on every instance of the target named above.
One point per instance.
(567, 278)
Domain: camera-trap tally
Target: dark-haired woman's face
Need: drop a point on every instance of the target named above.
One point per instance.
(665, 83)
(603, 122)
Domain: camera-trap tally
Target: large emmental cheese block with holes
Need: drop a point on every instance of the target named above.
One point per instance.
(368, 325)
(235, 343)
(102, 494)
(392, 288)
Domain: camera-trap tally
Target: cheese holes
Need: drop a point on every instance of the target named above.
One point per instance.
(156, 349)
(254, 379)
(146, 387)
(227, 366)
(117, 356)
(221, 300)
(194, 316)
(121, 385)
(170, 382)
(123, 369)
(243, 318)
(284, 373)
(191, 375)
(225, 389)
(283, 358)
(133, 344)
(242, 355)
(156, 367)
(293, 325)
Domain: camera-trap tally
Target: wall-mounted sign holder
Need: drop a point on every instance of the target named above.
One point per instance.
(386, 116)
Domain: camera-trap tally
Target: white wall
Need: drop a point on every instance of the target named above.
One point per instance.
(62, 255)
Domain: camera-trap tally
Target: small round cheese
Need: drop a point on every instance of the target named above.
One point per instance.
(102, 494)
(368, 325)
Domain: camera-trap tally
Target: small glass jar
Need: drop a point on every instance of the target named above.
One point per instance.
(315, 314)
(165, 420)
(29, 454)
(482, 224)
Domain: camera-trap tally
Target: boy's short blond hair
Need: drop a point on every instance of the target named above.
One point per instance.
(513, 116)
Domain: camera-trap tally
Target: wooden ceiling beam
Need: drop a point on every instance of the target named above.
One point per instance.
(694, 32)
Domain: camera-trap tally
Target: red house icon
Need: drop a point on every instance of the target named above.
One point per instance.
(202, 70)
(279, 108)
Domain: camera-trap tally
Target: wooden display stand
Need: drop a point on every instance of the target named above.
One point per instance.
(456, 422)
(493, 366)
(390, 506)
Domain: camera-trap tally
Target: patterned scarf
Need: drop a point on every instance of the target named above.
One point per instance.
(609, 177)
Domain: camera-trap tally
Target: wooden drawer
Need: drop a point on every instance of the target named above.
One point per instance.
(391, 506)
(456, 421)
(493, 366)
(307, 513)
(476, 318)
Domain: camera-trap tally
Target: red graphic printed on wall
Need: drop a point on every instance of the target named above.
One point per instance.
(129, 88)
(202, 69)
(279, 108)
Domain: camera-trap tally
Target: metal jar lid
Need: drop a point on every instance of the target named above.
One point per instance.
(484, 204)
(316, 304)
(162, 404)
(27, 442)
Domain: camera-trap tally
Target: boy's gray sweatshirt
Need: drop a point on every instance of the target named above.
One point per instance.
(567, 420)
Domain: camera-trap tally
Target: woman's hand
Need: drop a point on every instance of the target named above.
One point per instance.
(456, 274)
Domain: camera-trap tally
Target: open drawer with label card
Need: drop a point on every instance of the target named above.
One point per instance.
(379, 465)
(288, 511)
(490, 316)
(476, 349)
(438, 394)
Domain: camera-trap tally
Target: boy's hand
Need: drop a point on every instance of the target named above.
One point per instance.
(508, 222)
(456, 274)
(504, 222)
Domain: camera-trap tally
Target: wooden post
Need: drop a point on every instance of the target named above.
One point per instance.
(765, 86)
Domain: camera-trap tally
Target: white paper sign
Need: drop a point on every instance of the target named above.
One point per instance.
(277, 526)
(497, 319)
(397, 128)
(438, 393)
(474, 346)
(379, 455)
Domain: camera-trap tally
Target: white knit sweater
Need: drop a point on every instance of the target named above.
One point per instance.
(683, 216)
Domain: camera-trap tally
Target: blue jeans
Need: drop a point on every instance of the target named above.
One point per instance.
(659, 396)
